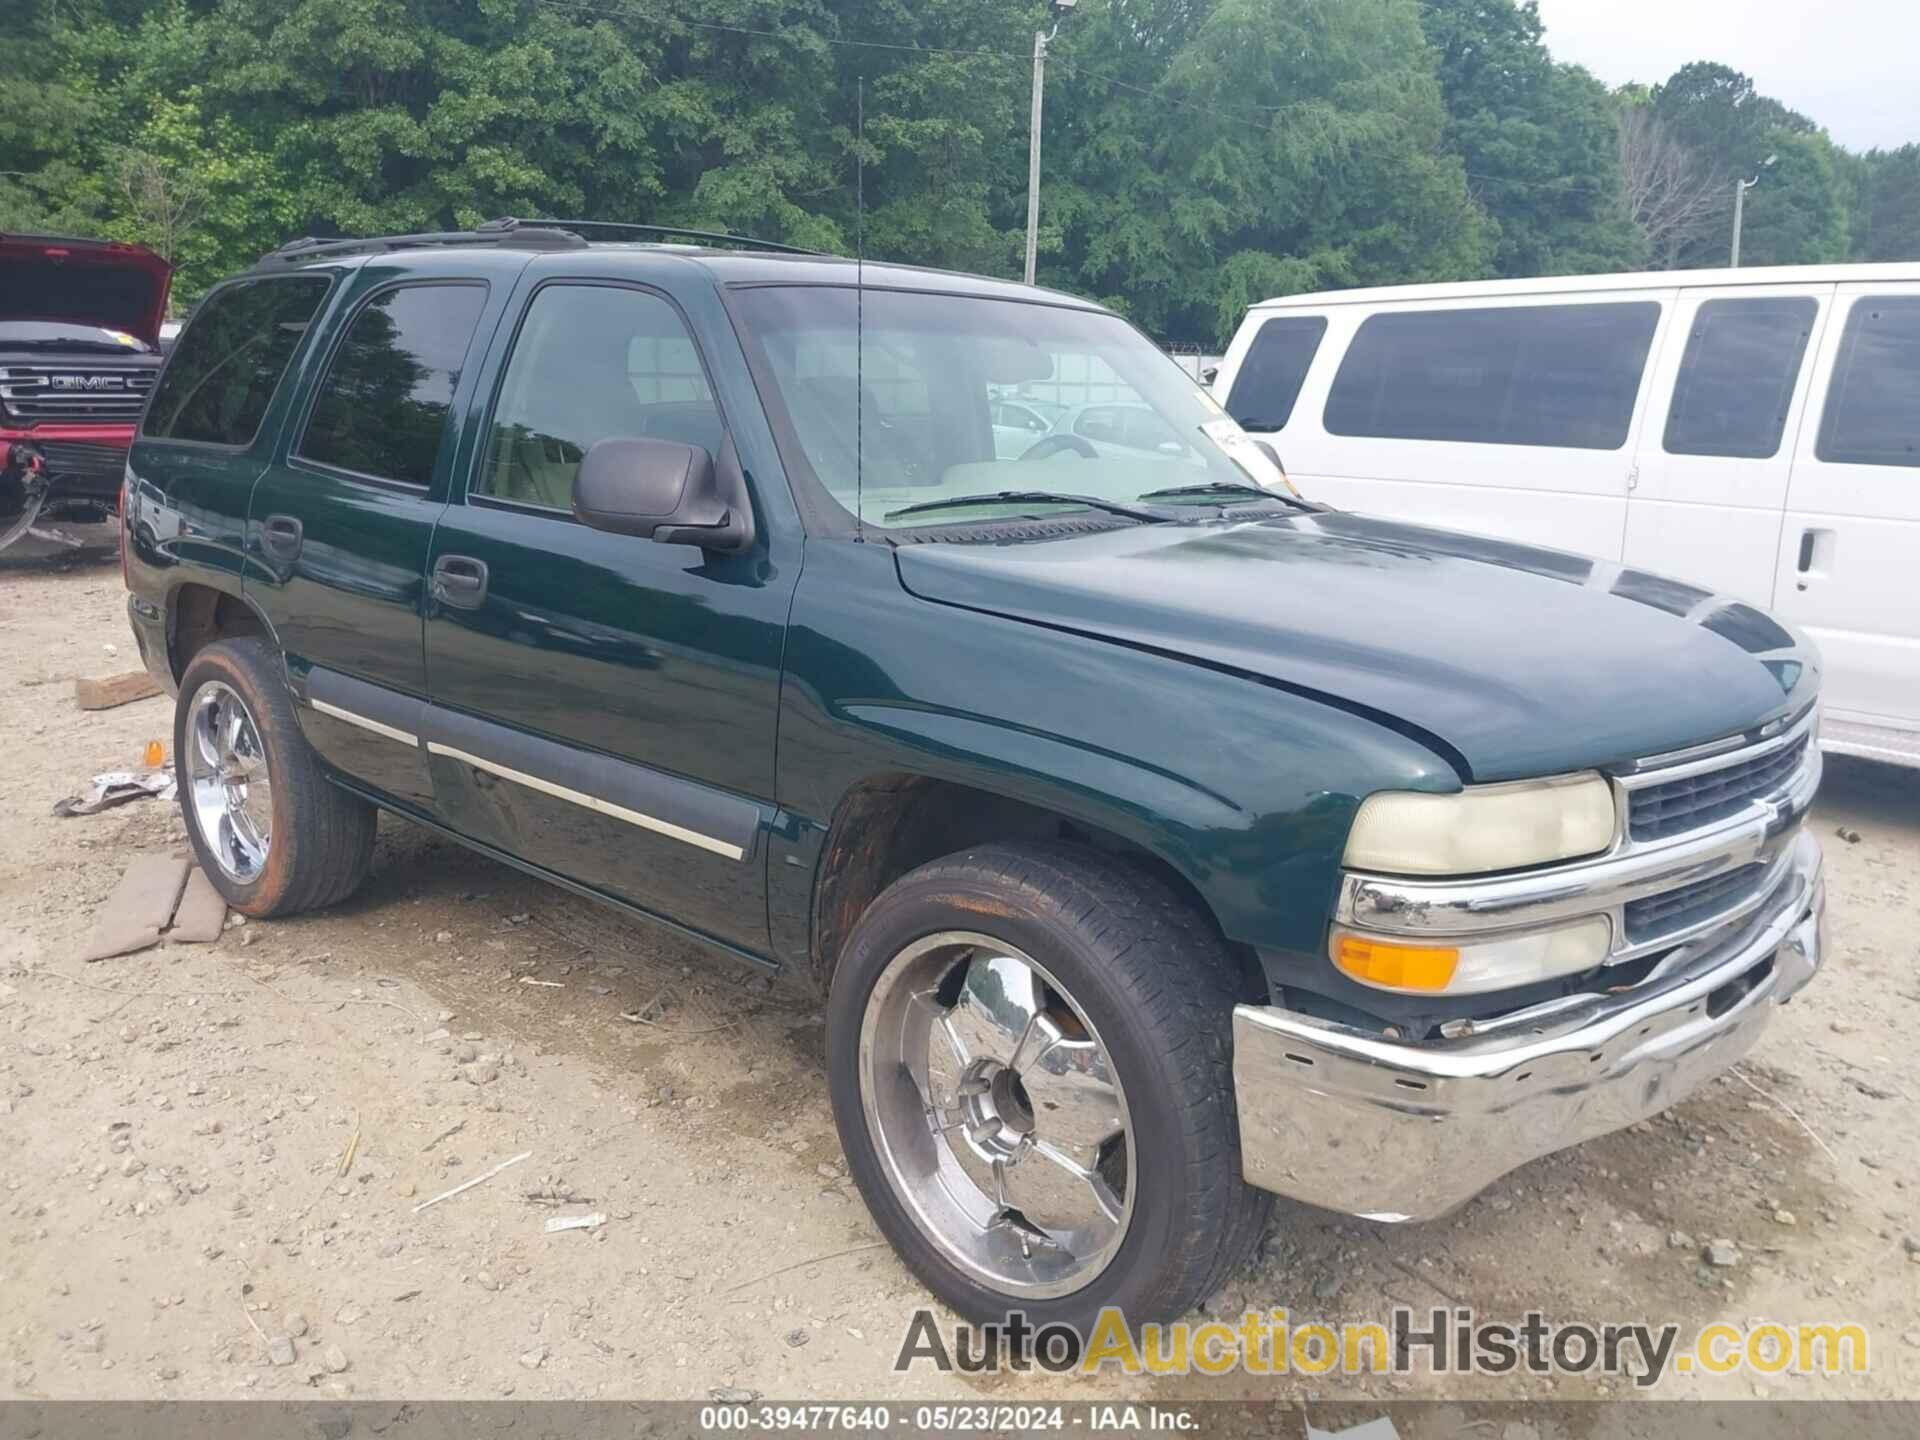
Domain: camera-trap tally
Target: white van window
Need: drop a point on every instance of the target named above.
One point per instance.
(1561, 375)
(1737, 376)
(1873, 407)
(1274, 370)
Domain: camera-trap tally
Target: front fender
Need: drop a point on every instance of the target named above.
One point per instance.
(1246, 790)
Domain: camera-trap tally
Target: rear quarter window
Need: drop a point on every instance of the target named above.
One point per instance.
(222, 374)
(1276, 367)
(1873, 406)
(1560, 375)
(383, 406)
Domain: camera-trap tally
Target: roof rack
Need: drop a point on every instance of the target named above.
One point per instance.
(509, 232)
(505, 232)
(710, 237)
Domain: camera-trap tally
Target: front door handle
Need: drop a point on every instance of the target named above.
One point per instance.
(460, 581)
(281, 535)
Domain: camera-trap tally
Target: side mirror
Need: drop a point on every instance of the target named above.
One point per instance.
(663, 490)
(1209, 374)
(1266, 448)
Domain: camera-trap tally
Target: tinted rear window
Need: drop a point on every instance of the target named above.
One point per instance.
(1873, 407)
(1274, 370)
(1737, 377)
(384, 403)
(1562, 375)
(223, 372)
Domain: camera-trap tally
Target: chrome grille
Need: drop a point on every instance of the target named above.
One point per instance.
(1677, 806)
(1675, 910)
(76, 394)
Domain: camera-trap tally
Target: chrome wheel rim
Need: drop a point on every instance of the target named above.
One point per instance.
(998, 1117)
(226, 781)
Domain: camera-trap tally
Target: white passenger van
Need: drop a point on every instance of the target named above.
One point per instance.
(1756, 432)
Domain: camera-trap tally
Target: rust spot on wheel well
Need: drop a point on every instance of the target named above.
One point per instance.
(200, 615)
(893, 824)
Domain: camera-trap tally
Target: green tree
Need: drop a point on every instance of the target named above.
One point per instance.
(1209, 151)
(1716, 113)
(1886, 217)
(1797, 214)
(1540, 141)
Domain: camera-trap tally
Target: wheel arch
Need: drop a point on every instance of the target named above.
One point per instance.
(199, 613)
(893, 822)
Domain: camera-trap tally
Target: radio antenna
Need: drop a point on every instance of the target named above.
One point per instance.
(859, 309)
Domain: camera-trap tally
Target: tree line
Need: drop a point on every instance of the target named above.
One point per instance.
(1199, 154)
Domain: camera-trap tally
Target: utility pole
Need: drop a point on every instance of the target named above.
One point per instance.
(1041, 39)
(1740, 189)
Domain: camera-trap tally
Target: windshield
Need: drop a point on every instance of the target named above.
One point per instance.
(926, 398)
(59, 335)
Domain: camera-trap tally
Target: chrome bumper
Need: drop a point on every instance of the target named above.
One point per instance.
(1341, 1118)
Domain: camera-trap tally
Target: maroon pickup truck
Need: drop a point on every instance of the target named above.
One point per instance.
(79, 350)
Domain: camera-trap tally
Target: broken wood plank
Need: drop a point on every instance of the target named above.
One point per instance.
(132, 917)
(202, 913)
(115, 690)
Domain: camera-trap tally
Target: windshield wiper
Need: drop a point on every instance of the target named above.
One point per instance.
(1231, 487)
(1031, 497)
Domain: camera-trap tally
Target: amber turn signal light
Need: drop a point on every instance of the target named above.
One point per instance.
(1396, 967)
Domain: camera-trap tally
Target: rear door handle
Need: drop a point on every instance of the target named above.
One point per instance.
(1816, 546)
(281, 535)
(460, 581)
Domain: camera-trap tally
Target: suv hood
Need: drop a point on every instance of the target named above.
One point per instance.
(87, 282)
(1517, 661)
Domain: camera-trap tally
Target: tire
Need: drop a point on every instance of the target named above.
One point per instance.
(1153, 986)
(318, 839)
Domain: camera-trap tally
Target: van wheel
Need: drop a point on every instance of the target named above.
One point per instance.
(1031, 1068)
(274, 835)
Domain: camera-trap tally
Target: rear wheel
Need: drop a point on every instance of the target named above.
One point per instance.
(274, 835)
(1031, 1074)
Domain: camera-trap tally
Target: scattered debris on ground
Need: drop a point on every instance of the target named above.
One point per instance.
(116, 787)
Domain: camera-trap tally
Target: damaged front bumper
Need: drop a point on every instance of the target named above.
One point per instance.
(1341, 1118)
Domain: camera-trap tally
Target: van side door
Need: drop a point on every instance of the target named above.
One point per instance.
(1730, 388)
(1513, 416)
(603, 706)
(1852, 533)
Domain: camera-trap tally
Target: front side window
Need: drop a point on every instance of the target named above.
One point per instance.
(221, 376)
(1873, 406)
(1560, 375)
(1737, 376)
(383, 407)
(904, 400)
(591, 362)
(1276, 367)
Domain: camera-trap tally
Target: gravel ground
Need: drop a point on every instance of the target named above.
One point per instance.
(179, 1220)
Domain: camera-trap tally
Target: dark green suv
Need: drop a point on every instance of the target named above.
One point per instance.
(1159, 839)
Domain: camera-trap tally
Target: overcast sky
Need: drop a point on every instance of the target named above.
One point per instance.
(1849, 64)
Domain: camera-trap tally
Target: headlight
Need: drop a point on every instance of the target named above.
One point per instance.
(1482, 828)
(1470, 967)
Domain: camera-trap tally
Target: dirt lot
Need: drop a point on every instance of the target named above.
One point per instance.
(172, 1125)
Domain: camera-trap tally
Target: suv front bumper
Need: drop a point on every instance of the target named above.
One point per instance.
(1390, 1131)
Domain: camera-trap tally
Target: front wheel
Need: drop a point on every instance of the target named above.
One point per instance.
(1032, 1078)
